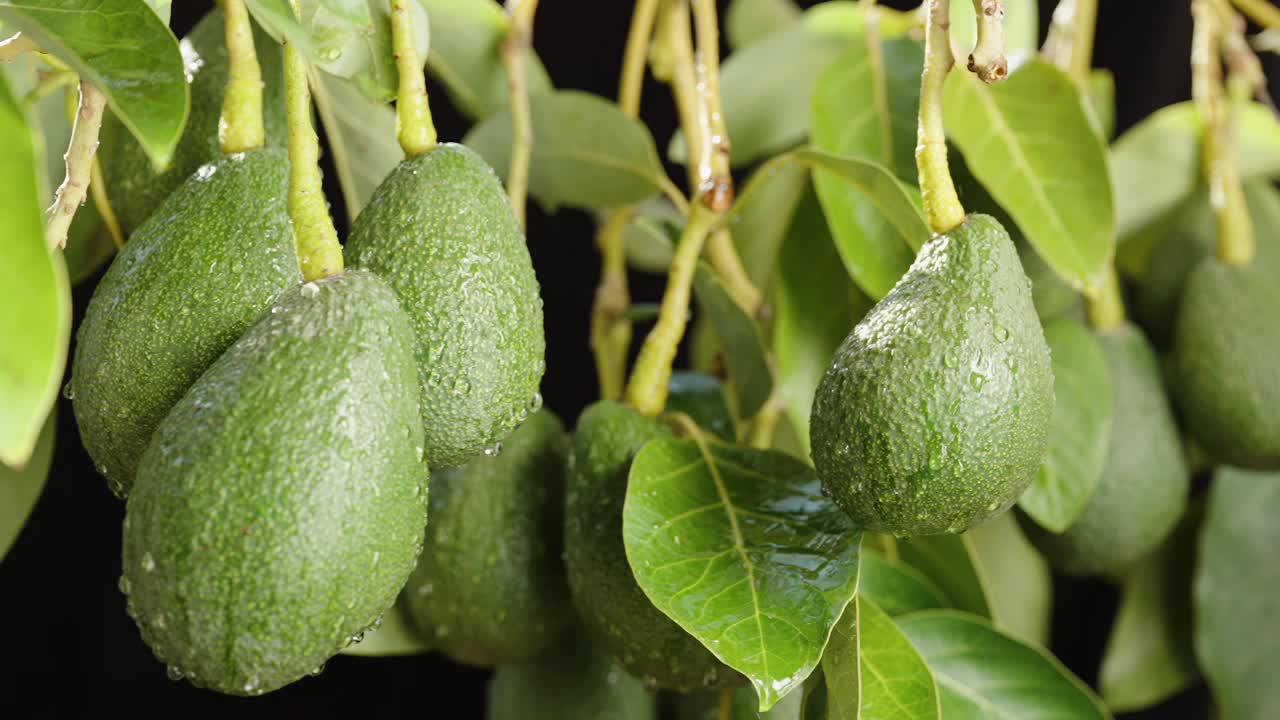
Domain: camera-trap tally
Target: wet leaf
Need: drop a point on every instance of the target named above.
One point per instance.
(701, 397)
(946, 560)
(744, 349)
(873, 672)
(896, 587)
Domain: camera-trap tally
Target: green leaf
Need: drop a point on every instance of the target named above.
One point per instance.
(701, 397)
(741, 548)
(760, 217)
(394, 637)
(842, 664)
(947, 561)
(1237, 593)
(1018, 584)
(1150, 656)
(362, 138)
(1080, 431)
(1021, 28)
(586, 152)
(872, 671)
(750, 20)
(1030, 142)
(466, 42)
(815, 307)
(897, 588)
(1102, 102)
(20, 489)
(744, 349)
(651, 234)
(985, 675)
(143, 79)
(34, 352)
(706, 706)
(1157, 162)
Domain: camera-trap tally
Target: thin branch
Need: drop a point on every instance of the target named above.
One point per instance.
(84, 143)
(987, 60)
(1261, 12)
(633, 59)
(941, 203)
(1071, 34)
(415, 129)
(315, 238)
(241, 127)
(1106, 306)
(515, 52)
(610, 330)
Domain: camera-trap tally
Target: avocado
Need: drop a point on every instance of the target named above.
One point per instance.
(280, 505)
(571, 681)
(934, 413)
(1145, 480)
(1225, 348)
(191, 281)
(439, 230)
(616, 612)
(134, 188)
(489, 588)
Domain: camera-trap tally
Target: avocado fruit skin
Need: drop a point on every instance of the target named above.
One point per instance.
(281, 504)
(192, 280)
(439, 230)
(489, 588)
(934, 413)
(1145, 480)
(1225, 369)
(615, 611)
(133, 186)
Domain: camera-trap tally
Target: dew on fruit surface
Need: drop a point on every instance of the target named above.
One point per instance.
(419, 452)
(1001, 333)
(462, 386)
(174, 672)
(316, 670)
(277, 309)
(250, 686)
(148, 562)
(494, 450)
(68, 392)
(535, 403)
(124, 585)
(204, 172)
(977, 380)
(309, 290)
(355, 639)
(160, 622)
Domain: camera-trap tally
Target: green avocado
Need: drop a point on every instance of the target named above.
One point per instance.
(1226, 375)
(439, 230)
(1144, 483)
(611, 604)
(489, 588)
(934, 413)
(280, 506)
(191, 281)
(134, 188)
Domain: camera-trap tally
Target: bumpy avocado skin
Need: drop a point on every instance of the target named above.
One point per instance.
(440, 232)
(133, 186)
(1144, 484)
(611, 604)
(281, 504)
(489, 588)
(1225, 367)
(934, 413)
(191, 281)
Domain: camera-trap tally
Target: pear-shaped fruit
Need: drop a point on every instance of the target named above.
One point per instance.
(1226, 364)
(614, 609)
(281, 504)
(1144, 484)
(191, 281)
(134, 188)
(489, 588)
(439, 230)
(934, 413)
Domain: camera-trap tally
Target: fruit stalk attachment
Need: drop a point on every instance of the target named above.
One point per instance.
(515, 54)
(987, 60)
(241, 126)
(942, 205)
(84, 143)
(415, 129)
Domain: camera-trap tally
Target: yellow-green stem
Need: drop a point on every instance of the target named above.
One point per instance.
(724, 258)
(647, 388)
(50, 82)
(1106, 305)
(1070, 42)
(941, 204)
(1261, 12)
(97, 185)
(610, 331)
(314, 236)
(987, 60)
(766, 421)
(726, 703)
(515, 51)
(79, 163)
(415, 129)
(241, 126)
(633, 59)
(674, 32)
(715, 182)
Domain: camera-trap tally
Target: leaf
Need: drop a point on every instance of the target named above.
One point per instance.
(34, 352)
(1150, 656)
(20, 489)
(1237, 593)
(394, 637)
(744, 349)
(1102, 102)
(897, 588)
(760, 217)
(143, 79)
(466, 40)
(741, 548)
(586, 152)
(1080, 431)
(1021, 29)
(947, 561)
(873, 672)
(1018, 584)
(985, 675)
(750, 20)
(1157, 162)
(701, 397)
(815, 307)
(706, 706)
(362, 138)
(651, 235)
(1029, 140)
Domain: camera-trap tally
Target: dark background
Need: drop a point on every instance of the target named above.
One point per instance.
(69, 641)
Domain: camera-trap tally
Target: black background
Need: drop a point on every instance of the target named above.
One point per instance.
(68, 640)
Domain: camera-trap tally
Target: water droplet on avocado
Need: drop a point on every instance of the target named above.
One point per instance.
(148, 562)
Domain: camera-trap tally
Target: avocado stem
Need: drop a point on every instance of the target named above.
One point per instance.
(414, 126)
(314, 236)
(635, 55)
(65, 80)
(941, 203)
(79, 163)
(1070, 42)
(1261, 12)
(241, 126)
(987, 60)
(610, 329)
(726, 703)
(1106, 305)
(515, 52)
